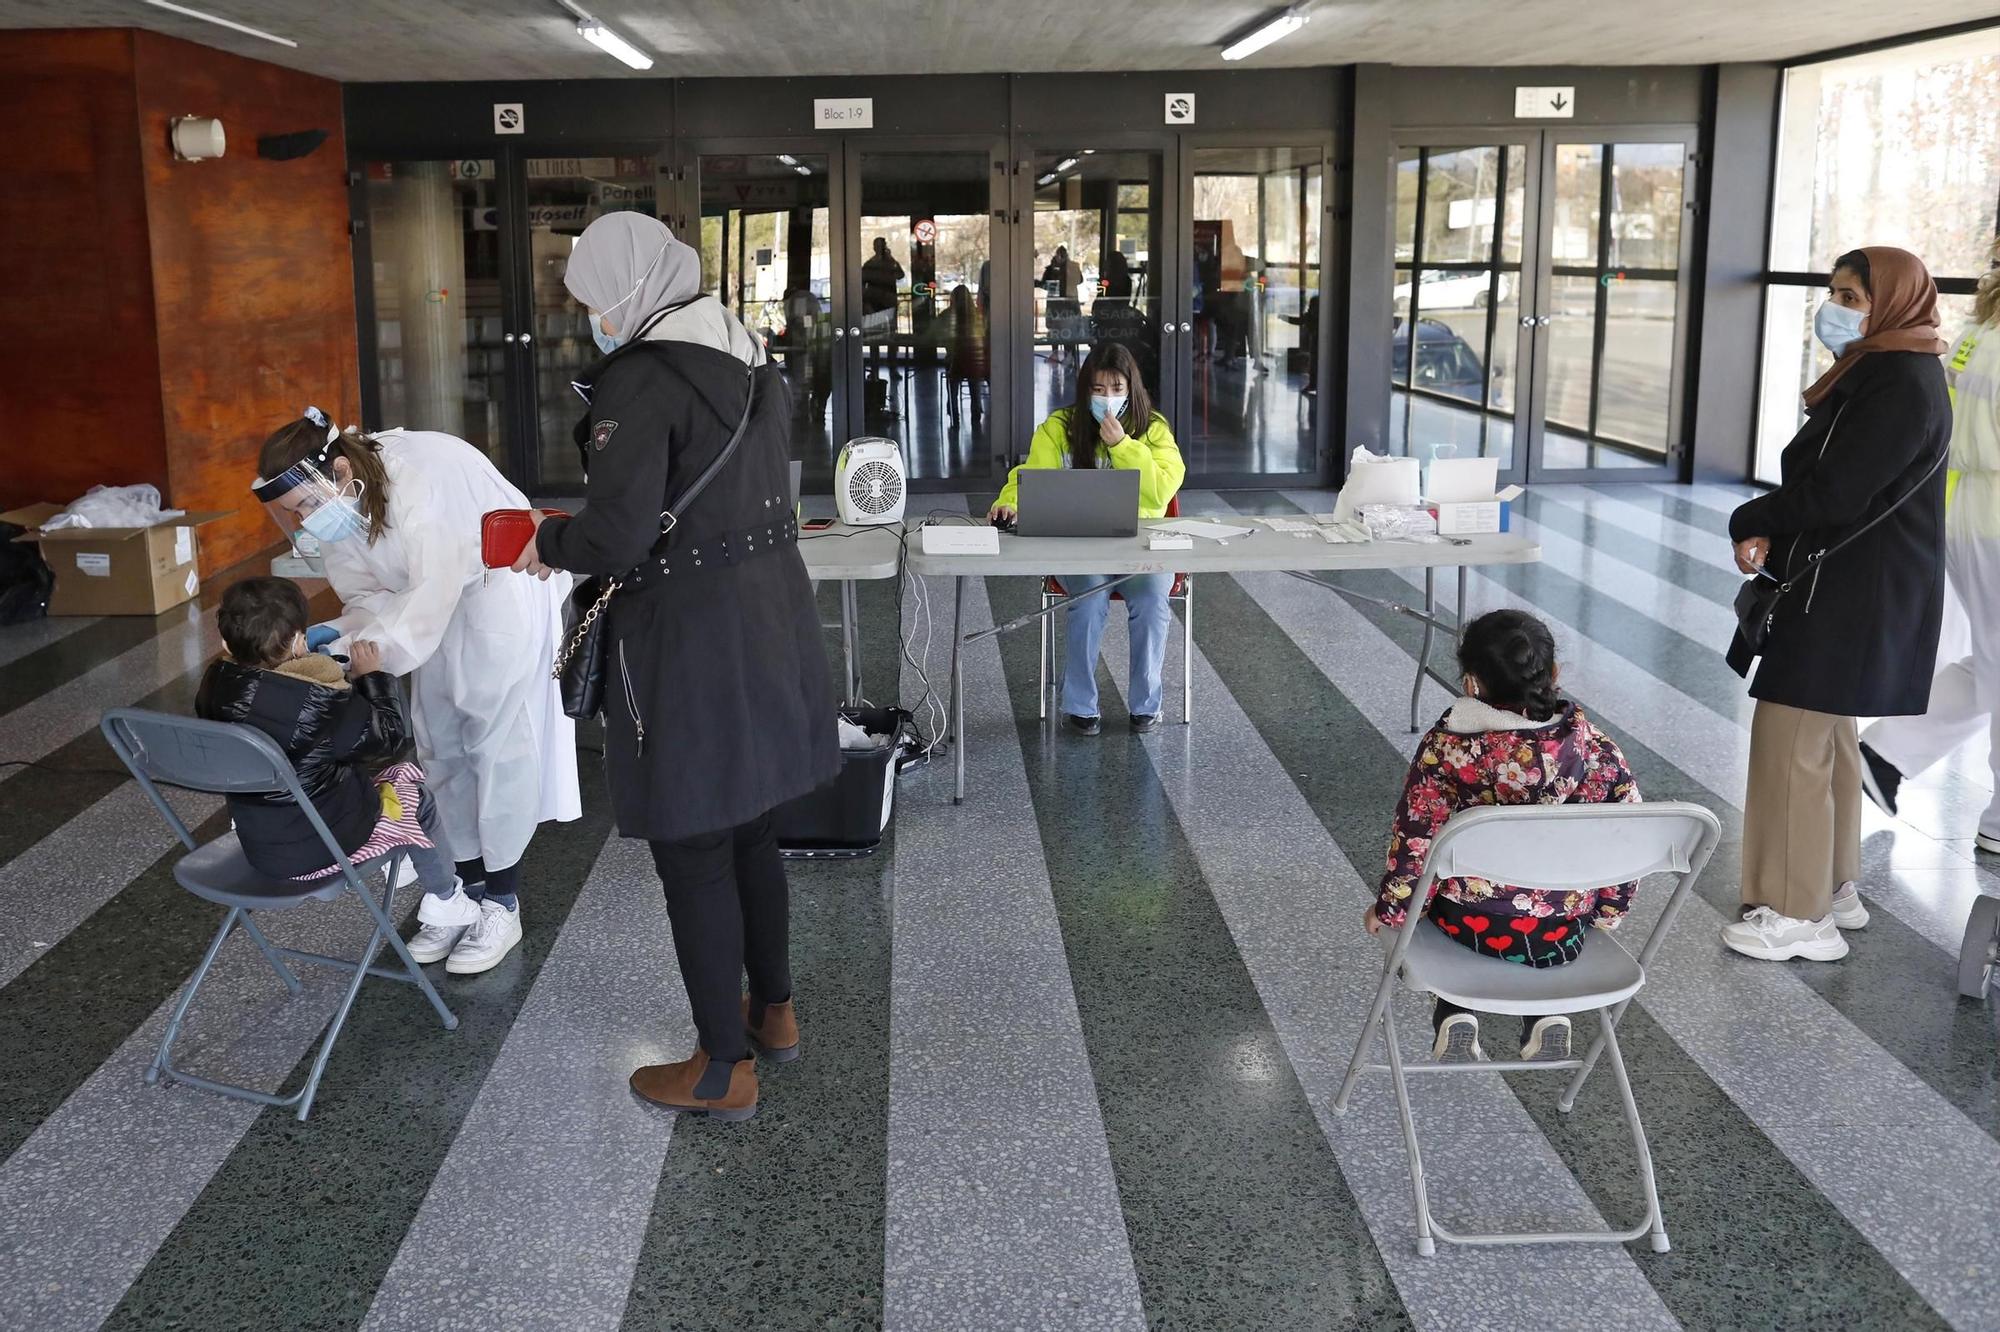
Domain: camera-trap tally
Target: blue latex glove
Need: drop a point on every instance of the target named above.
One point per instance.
(319, 635)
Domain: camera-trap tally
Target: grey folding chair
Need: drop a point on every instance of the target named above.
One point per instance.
(223, 758)
(1562, 847)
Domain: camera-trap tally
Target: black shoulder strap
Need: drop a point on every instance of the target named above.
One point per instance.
(670, 516)
(1814, 561)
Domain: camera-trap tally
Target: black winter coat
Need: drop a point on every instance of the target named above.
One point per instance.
(1858, 636)
(720, 702)
(337, 737)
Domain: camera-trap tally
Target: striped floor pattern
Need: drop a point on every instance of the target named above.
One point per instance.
(1070, 1047)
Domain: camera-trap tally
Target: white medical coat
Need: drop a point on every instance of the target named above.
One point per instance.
(499, 755)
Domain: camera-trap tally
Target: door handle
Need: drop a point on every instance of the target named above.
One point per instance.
(1527, 321)
(1167, 329)
(527, 338)
(1546, 320)
(1187, 328)
(506, 337)
(839, 333)
(854, 332)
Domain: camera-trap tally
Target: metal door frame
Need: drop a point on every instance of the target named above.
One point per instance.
(1531, 277)
(999, 251)
(1190, 142)
(1020, 204)
(1553, 136)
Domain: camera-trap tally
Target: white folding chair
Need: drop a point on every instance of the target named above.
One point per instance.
(1561, 847)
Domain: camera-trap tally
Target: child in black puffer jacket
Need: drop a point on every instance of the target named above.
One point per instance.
(338, 728)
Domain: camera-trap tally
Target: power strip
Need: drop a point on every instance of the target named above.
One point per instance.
(961, 539)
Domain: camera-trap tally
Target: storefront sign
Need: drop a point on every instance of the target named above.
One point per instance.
(558, 215)
(844, 113)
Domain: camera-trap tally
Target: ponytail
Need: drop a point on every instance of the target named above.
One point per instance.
(303, 438)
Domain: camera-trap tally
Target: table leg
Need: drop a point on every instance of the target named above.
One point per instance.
(1424, 657)
(957, 693)
(850, 641)
(1458, 627)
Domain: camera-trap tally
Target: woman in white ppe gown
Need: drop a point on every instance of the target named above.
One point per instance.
(398, 516)
(1965, 693)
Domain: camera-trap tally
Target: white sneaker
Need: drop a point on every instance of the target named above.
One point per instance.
(491, 938)
(1458, 1040)
(1548, 1039)
(443, 921)
(1849, 912)
(1988, 843)
(1770, 937)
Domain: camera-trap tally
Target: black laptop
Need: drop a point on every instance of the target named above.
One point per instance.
(1096, 502)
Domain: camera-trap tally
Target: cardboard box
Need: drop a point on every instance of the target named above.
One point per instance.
(1464, 500)
(118, 570)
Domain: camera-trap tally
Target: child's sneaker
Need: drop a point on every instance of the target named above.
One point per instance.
(1547, 1039)
(1458, 1040)
(443, 920)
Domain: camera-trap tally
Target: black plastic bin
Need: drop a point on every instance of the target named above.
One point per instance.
(849, 815)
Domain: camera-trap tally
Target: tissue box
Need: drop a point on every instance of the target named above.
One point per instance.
(1477, 517)
(117, 570)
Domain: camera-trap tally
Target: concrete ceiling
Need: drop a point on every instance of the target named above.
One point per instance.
(372, 40)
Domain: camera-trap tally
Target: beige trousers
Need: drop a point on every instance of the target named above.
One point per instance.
(1802, 812)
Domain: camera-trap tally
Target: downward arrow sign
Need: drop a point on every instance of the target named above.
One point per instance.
(1558, 102)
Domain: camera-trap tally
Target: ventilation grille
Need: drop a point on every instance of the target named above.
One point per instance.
(875, 487)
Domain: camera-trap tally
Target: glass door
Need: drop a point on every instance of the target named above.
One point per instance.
(1462, 322)
(1610, 326)
(1096, 256)
(920, 281)
(1251, 341)
(439, 351)
(767, 224)
(561, 196)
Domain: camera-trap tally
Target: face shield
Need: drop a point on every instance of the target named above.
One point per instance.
(308, 503)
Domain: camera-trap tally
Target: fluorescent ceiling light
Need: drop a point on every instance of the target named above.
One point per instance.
(1281, 25)
(803, 170)
(1066, 164)
(609, 42)
(788, 159)
(220, 22)
(1049, 179)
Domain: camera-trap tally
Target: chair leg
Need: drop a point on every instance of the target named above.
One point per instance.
(1426, 1243)
(271, 954)
(311, 1088)
(1042, 664)
(1187, 655)
(1655, 1222)
(1567, 1101)
(160, 1063)
(1376, 1011)
(385, 925)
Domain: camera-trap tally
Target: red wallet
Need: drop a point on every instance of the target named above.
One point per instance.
(504, 533)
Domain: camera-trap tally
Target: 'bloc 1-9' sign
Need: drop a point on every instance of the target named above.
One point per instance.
(838, 113)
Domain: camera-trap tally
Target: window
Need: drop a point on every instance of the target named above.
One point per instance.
(1897, 147)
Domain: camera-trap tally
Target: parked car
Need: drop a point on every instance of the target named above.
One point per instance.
(1446, 362)
(1454, 291)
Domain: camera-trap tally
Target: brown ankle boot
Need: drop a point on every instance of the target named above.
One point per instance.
(672, 1085)
(778, 1039)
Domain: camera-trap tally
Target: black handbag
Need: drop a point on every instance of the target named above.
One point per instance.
(1757, 600)
(584, 657)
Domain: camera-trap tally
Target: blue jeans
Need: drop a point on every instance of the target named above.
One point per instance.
(1149, 618)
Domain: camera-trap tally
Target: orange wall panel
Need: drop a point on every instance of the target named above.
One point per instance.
(252, 277)
(79, 379)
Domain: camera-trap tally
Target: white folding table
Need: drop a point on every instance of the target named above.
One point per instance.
(849, 555)
(1262, 551)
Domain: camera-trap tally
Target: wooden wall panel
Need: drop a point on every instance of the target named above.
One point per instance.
(79, 382)
(252, 276)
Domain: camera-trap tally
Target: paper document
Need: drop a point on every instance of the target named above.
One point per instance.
(1286, 524)
(1196, 527)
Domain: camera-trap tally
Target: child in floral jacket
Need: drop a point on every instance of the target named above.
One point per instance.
(1512, 740)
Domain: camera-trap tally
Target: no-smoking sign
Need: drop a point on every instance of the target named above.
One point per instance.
(926, 231)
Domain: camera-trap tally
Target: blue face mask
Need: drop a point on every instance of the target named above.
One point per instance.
(606, 343)
(336, 520)
(1103, 405)
(1837, 326)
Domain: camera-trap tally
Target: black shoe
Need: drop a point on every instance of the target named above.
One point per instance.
(1146, 722)
(1880, 780)
(1085, 725)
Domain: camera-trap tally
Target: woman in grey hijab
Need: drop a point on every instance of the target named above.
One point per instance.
(720, 704)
